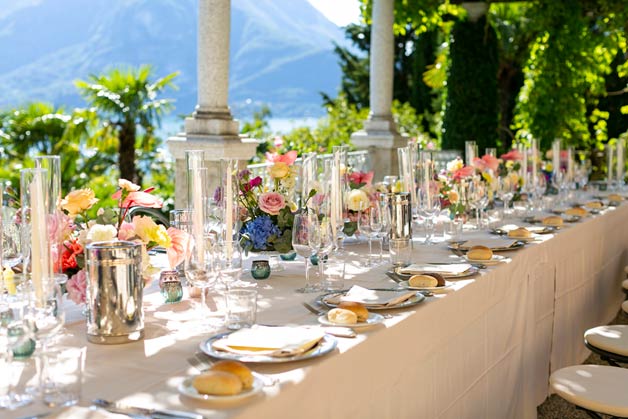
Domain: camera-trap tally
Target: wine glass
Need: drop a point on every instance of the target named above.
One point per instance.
(201, 267)
(364, 226)
(229, 255)
(428, 209)
(320, 239)
(506, 187)
(15, 342)
(539, 184)
(478, 198)
(301, 245)
(11, 243)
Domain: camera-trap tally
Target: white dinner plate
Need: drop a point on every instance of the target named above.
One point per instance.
(187, 389)
(372, 320)
(496, 259)
(412, 301)
(406, 284)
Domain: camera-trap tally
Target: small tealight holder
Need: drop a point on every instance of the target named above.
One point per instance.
(260, 269)
(170, 286)
(288, 256)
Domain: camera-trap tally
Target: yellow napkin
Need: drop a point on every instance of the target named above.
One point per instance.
(372, 298)
(271, 341)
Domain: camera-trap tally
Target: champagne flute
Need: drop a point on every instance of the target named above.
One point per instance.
(364, 226)
(376, 225)
(301, 245)
(320, 239)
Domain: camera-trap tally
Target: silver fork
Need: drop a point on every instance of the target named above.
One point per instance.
(202, 363)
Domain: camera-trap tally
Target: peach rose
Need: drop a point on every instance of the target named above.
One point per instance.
(279, 170)
(78, 201)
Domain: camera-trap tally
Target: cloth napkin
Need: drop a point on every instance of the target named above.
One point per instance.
(372, 298)
(449, 269)
(490, 243)
(270, 341)
(78, 412)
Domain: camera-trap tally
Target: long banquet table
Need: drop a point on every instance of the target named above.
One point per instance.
(485, 349)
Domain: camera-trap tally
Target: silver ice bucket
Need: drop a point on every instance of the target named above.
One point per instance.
(114, 292)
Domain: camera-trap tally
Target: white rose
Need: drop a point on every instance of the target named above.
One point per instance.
(357, 200)
(101, 233)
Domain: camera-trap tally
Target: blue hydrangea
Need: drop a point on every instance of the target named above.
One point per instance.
(259, 230)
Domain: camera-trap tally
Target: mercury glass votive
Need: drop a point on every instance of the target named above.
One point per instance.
(260, 269)
(170, 286)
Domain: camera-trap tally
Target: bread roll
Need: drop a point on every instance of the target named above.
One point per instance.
(577, 211)
(553, 221)
(358, 308)
(520, 233)
(420, 281)
(217, 383)
(615, 197)
(237, 368)
(342, 316)
(480, 253)
(439, 278)
(594, 205)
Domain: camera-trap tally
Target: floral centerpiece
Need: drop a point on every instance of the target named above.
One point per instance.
(267, 212)
(77, 230)
(362, 194)
(450, 182)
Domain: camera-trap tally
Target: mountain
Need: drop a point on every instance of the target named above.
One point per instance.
(281, 50)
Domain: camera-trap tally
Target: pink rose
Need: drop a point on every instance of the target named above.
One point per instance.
(287, 158)
(141, 199)
(487, 162)
(178, 248)
(77, 287)
(464, 172)
(361, 177)
(127, 231)
(271, 202)
(512, 155)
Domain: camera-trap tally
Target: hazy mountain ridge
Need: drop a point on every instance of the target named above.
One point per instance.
(281, 50)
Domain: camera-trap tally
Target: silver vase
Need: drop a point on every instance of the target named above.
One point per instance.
(114, 292)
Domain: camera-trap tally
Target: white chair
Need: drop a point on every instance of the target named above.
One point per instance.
(624, 306)
(593, 388)
(610, 342)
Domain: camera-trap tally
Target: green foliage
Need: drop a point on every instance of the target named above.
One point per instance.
(126, 100)
(573, 51)
(41, 129)
(471, 109)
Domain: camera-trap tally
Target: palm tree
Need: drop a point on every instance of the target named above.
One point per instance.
(127, 99)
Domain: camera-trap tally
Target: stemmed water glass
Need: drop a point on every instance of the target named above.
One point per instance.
(428, 209)
(229, 255)
(376, 220)
(478, 198)
(540, 187)
(301, 245)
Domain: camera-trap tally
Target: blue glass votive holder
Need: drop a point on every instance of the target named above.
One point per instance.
(260, 269)
(26, 346)
(288, 256)
(170, 286)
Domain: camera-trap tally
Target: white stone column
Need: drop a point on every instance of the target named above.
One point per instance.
(211, 127)
(380, 135)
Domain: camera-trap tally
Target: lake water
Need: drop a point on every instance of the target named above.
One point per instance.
(172, 126)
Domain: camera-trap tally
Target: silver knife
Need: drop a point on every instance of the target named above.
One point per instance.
(136, 412)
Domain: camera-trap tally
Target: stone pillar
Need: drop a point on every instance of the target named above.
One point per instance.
(380, 135)
(211, 127)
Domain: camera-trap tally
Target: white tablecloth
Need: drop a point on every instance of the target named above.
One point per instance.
(483, 350)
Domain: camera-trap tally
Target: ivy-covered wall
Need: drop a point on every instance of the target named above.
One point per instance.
(471, 111)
